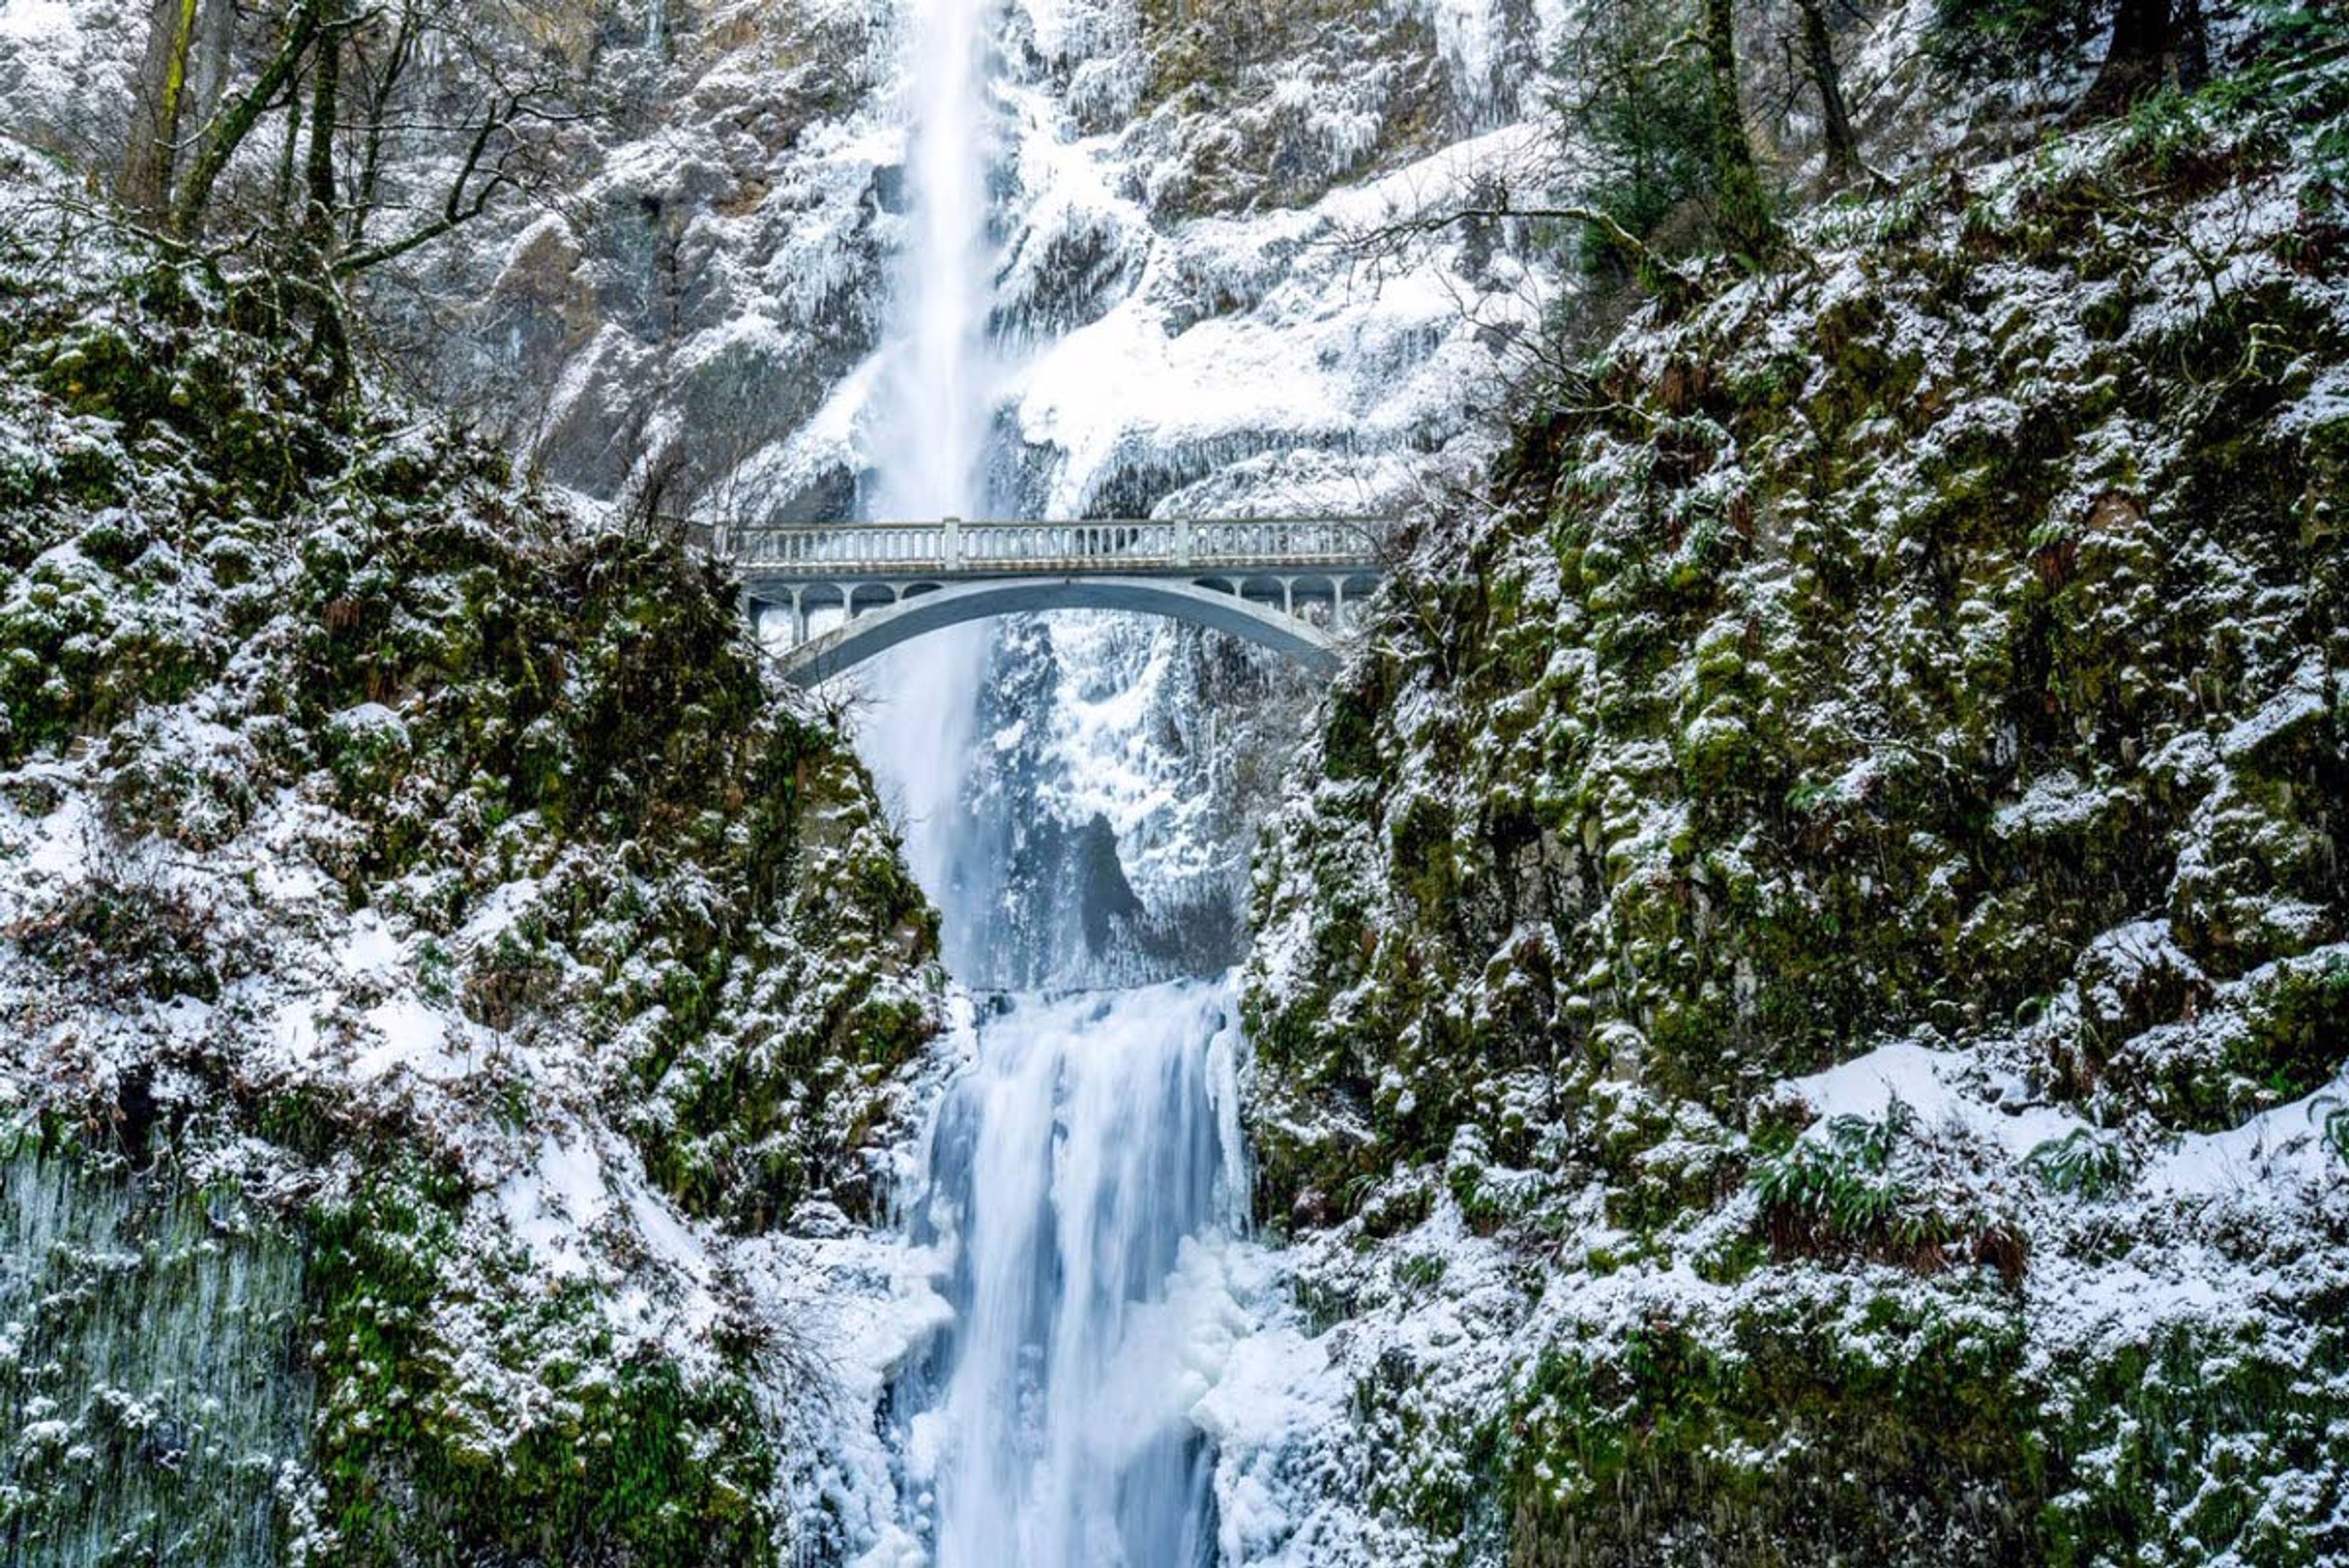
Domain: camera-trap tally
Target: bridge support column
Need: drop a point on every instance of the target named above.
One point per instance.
(799, 617)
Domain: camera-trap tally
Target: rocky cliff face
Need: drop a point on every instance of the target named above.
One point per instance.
(433, 952)
(1189, 333)
(1798, 1002)
(1180, 322)
(1800, 1013)
(1180, 325)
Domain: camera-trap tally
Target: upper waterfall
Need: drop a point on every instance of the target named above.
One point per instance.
(931, 423)
(934, 397)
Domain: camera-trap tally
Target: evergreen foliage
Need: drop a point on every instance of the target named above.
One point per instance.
(307, 666)
(1640, 113)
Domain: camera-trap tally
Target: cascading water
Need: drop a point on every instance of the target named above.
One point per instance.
(930, 434)
(1083, 1171)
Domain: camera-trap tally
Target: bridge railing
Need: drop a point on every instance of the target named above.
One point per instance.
(888, 547)
(953, 546)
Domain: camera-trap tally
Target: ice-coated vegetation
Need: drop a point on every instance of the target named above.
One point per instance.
(144, 1378)
(1801, 1013)
(417, 882)
(1792, 1001)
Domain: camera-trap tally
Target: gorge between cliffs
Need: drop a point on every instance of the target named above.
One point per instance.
(1752, 971)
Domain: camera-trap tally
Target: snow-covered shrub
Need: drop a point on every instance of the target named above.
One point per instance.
(1841, 1420)
(587, 1456)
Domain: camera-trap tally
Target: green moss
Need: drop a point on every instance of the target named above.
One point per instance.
(1936, 645)
(473, 695)
(624, 1459)
(1854, 688)
(2297, 1033)
(1864, 1429)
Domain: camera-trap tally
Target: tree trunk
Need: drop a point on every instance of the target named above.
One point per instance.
(215, 63)
(236, 121)
(1834, 116)
(2190, 43)
(154, 151)
(325, 107)
(289, 157)
(1741, 207)
(2136, 61)
(380, 93)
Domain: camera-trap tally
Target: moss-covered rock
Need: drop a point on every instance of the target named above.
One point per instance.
(1932, 653)
(1858, 1429)
(446, 866)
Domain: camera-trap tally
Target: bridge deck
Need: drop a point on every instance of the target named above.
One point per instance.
(1109, 546)
(1253, 577)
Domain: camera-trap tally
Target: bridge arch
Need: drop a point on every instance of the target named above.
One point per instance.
(874, 632)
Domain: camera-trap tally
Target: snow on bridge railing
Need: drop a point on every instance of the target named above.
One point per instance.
(957, 548)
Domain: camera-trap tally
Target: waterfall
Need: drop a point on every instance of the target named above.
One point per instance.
(1086, 1172)
(936, 408)
(1082, 1172)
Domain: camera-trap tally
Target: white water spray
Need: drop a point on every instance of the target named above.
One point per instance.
(1086, 1167)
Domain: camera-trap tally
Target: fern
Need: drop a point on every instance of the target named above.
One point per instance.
(1840, 1183)
(2084, 1163)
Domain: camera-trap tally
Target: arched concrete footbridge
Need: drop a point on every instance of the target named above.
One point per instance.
(1283, 583)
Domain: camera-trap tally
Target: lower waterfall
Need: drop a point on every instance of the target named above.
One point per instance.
(1081, 1173)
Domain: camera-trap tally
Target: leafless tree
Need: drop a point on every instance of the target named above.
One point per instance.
(403, 121)
(159, 103)
(1819, 56)
(367, 127)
